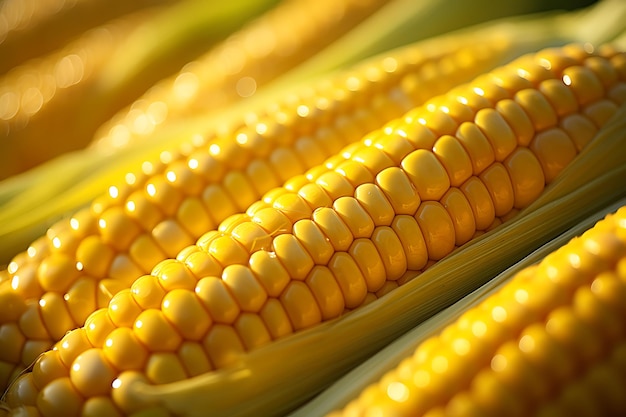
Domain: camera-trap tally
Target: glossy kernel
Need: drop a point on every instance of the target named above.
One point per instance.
(245, 288)
(123, 309)
(56, 272)
(437, 228)
(92, 374)
(584, 84)
(454, 158)
(373, 200)
(517, 119)
(326, 291)
(251, 236)
(217, 300)
(97, 327)
(369, 261)
(272, 221)
(349, 277)
(164, 368)
(554, 150)
(498, 183)
(275, 318)
(480, 201)
(526, 175)
(194, 359)
(333, 227)
(252, 330)
(59, 398)
(475, 142)
(373, 159)
(539, 110)
(560, 97)
(47, 368)
(227, 251)
(498, 132)
(270, 272)
(147, 291)
(461, 214)
(155, 332)
(55, 315)
(354, 216)
(300, 305)
(391, 251)
(183, 310)
(293, 255)
(293, 206)
(412, 239)
(117, 229)
(427, 173)
(123, 350)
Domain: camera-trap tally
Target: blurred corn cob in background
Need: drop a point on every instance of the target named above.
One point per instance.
(193, 172)
(53, 104)
(33, 28)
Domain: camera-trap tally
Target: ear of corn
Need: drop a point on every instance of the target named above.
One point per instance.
(168, 206)
(543, 338)
(87, 81)
(68, 183)
(239, 66)
(255, 278)
(66, 189)
(33, 28)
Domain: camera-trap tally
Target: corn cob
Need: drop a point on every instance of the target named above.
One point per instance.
(549, 342)
(43, 91)
(68, 183)
(31, 28)
(292, 48)
(335, 239)
(87, 81)
(237, 67)
(166, 207)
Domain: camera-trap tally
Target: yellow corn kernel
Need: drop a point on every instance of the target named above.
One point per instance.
(185, 312)
(155, 332)
(535, 104)
(123, 350)
(461, 214)
(275, 318)
(427, 173)
(477, 146)
(438, 229)
(528, 181)
(500, 188)
(217, 300)
(252, 330)
(355, 216)
(300, 306)
(370, 263)
(335, 230)
(560, 97)
(412, 239)
(601, 111)
(546, 144)
(517, 118)
(326, 291)
(270, 272)
(497, 131)
(454, 159)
